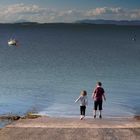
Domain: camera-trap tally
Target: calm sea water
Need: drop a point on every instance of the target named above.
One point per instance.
(56, 61)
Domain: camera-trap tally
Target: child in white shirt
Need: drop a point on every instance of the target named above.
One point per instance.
(83, 103)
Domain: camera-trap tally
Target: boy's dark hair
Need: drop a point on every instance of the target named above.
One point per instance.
(99, 83)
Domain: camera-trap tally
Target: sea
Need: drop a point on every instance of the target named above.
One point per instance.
(54, 62)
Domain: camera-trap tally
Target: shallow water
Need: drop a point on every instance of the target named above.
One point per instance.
(56, 61)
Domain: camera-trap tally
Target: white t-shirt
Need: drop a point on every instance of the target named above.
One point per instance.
(83, 100)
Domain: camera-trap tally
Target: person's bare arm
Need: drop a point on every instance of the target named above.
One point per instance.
(104, 97)
(93, 94)
(77, 99)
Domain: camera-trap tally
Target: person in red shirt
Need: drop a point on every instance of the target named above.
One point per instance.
(98, 95)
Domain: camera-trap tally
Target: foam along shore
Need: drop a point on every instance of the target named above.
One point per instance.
(44, 127)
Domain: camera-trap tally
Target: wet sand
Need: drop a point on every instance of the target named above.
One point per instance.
(47, 128)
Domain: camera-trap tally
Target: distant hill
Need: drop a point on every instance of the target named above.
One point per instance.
(21, 21)
(84, 21)
(110, 22)
(24, 22)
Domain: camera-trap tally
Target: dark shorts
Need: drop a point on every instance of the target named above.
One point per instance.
(98, 105)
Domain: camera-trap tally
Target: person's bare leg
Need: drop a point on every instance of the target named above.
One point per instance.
(100, 115)
(94, 114)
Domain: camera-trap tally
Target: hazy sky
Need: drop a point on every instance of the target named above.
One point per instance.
(68, 10)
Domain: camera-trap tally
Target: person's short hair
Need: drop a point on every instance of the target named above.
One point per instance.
(99, 83)
(83, 92)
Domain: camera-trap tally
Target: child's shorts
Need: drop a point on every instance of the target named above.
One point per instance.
(98, 105)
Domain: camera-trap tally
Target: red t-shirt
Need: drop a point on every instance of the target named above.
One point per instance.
(98, 92)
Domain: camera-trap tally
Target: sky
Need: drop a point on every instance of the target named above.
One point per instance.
(48, 11)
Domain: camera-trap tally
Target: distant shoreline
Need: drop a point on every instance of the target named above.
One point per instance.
(74, 23)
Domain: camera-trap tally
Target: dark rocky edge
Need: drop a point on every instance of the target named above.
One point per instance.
(11, 117)
(137, 117)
